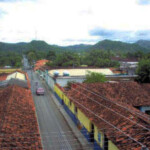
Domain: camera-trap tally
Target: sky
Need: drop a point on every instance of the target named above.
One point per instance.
(69, 22)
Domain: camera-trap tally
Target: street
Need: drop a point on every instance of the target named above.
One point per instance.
(55, 131)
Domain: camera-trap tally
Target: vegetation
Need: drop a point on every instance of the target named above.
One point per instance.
(144, 43)
(100, 59)
(66, 59)
(117, 46)
(98, 55)
(51, 55)
(93, 77)
(12, 59)
(35, 55)
(114, 46)
(143, 71)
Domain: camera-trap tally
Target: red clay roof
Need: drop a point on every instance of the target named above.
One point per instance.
(111, 114)
(18, 128)
(40, 63)
(3, 76)
(130, 93)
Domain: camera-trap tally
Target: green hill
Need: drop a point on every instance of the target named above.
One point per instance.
(102, 45)
(144, 43)
(33, 45)
(117, 46)
(78, 48)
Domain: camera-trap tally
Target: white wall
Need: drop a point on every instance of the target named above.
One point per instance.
(63, 81)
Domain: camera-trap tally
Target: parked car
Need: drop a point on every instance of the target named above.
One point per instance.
(40, 91)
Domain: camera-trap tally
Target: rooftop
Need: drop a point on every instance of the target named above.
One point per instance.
(40, 63)
(18, 74)
(82, 71)
(18, 128)
(3, 76)
(109, 115)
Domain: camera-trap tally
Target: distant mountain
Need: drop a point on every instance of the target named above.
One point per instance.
(78, 48)
(118, 46)
(144, 43)
(33, 45)
(102, 45)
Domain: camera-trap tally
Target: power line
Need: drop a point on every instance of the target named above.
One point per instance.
(95, 93)
(108, 122)
(112, 110)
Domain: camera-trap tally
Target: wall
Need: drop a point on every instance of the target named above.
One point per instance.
(50, 81)
(82, 121)
(99, 137)
(111, 146)
(62, 81)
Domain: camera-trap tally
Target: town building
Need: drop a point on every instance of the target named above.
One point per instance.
(18, 124)
(17, 77)
(127, 64)
(107, 113)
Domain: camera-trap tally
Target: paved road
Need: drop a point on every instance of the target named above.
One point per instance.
(55, 131)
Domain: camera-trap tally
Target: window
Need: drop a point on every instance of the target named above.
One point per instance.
(92, 133)
(76, 110)
(147, 112)
(99, 137)
(105, 143)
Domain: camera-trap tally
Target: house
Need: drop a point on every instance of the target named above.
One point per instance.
(39, 64)
(17, 77)
(76, 74)
(18, 124)
(127, 64)
(131, 93)
(58, 75)
(18, 74)
(106, 114)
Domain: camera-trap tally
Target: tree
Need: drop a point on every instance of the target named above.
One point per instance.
(93, 77)
(100, 58)
(31, 56)
(143, 71)
(66, 59)
(51, 55)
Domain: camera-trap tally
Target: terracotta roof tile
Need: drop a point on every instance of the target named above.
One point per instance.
(40, 63)
(122, 93)
(3, 76)
(18, 126)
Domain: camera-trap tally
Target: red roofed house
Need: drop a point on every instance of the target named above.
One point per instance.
(106, 115)
(39, 64)
(18, 124)
(3, 76)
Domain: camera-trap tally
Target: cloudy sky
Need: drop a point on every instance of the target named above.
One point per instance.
(67, 22)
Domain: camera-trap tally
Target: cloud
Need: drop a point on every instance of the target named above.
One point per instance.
(57, 21)
(2, 13)
(81, 41)
(143, 2)
(127, 36)
(8, 1)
